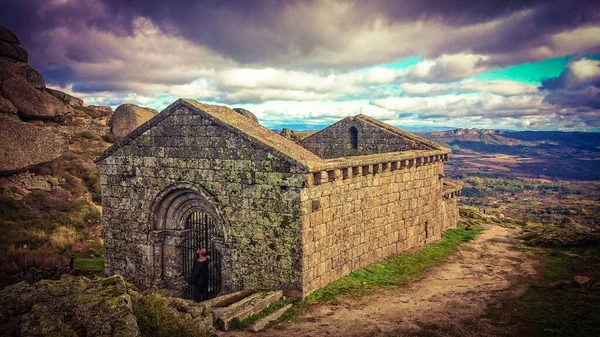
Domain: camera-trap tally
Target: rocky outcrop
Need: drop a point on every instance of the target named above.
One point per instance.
(32, 102)
(24, 145)
(128, 117)
(66, 98)
(246, 114)
(71, 306)
(23, 89)
(30, 181)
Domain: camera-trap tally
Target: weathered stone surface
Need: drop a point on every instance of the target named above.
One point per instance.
(30, 181)
(11, 68)
(272, 317)
(6, 106)
(32, 102)
(23, 145)
(284, 218)
(35, 78)
(361, 135)
(66, 98)
(7, 35)
(13, 51)
(128, 117)
(68, 307)
(251, 305)
(246, 114)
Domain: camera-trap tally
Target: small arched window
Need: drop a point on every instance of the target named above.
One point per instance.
(354, 137)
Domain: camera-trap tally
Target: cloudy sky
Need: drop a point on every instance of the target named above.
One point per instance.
(304, 64)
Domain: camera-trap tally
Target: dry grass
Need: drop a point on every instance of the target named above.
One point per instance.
(63, 238)
(15, 260)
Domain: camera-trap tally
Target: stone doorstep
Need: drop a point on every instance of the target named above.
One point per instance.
(272, 317)
(228, 299)
(240, 310)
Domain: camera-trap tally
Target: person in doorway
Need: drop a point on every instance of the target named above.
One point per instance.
(200, 275)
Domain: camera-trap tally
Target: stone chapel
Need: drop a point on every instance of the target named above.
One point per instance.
(273, 213)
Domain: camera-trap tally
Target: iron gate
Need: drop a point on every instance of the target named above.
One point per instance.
(202, 231)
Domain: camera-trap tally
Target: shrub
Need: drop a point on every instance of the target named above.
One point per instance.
(92, 217)
(14, 260)
(86, 135)
(63, 238)
(110, 138)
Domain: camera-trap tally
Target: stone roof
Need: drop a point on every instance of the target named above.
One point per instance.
(272, 141)
(232, 121)
(401, 133)
(388, 128)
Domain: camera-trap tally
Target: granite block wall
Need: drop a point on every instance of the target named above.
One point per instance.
(356, 216)
(256, 193)
(336, 140)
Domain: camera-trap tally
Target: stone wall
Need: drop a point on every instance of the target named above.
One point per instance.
(256, 192)
(449, 211)
(335, 141)
(359, 215)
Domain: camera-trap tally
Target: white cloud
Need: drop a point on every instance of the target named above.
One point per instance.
(449, 67)
(585, 69)
(500, 87)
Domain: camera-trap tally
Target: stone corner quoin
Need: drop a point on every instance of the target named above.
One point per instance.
(276, 214)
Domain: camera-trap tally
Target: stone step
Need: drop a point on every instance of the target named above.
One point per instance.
(245, 307)
(228, 299)
(272, 317)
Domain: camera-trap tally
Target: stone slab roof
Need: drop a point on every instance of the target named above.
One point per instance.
(401, 133)
(232, 121)
(276, 143)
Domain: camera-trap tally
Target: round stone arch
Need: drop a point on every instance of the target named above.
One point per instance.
(169, 213)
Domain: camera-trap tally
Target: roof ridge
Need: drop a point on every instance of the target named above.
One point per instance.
(125, 140)
(398, 131)
(225, 117)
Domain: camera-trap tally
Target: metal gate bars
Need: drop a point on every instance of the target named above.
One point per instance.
(201, 234)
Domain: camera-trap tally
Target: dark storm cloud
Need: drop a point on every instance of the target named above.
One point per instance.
(314, 51)
(576, 89)
(293, 32)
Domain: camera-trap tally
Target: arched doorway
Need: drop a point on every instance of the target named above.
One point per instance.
(185, 217)
(202, 233)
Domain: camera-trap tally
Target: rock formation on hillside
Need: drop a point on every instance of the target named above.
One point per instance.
(22, 89)
(24, 144)
(107, 307)
(128, 117)
(36, 122)
(71, 306)
(246, 114)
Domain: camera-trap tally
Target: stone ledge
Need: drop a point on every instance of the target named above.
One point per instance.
(351, 167)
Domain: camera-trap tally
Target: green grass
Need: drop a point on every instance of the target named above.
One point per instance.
(239, 325)
(395, 271)
(550, 310)
(92, 264)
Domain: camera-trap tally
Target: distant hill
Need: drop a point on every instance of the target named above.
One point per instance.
(529, 154)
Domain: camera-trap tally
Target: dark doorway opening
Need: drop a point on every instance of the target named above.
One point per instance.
(202, 234)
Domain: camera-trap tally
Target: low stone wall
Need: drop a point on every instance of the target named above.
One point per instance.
(359, 215)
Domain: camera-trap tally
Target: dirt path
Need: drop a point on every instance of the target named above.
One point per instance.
(449, 301)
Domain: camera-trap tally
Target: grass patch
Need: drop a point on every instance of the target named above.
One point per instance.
(91, 264)
(547, 309)
(394, 271)
(239, 325)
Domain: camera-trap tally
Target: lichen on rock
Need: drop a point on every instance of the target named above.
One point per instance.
(69, 306)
